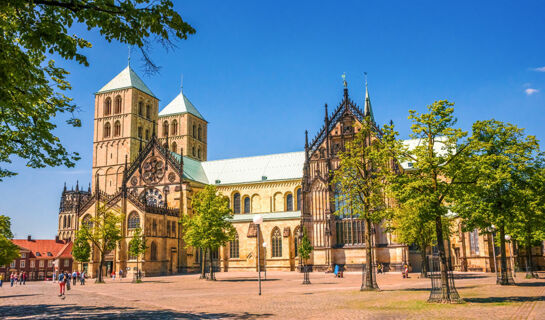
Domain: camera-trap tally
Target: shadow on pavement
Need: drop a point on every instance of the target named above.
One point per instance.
(19, 295)
(503, 299)
(109, 312)
(245, 280)
(531, 284)
(469, 276)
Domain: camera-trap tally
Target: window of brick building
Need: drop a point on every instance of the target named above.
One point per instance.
(276, 240)
(233, 247)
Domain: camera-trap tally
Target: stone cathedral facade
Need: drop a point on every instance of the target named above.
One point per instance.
(149, 163)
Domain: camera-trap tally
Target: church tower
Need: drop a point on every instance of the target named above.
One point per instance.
(182, 128)
(125, 119)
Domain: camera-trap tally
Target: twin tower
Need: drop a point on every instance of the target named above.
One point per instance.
(127, 116)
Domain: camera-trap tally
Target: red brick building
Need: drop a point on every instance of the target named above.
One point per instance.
(40, 258)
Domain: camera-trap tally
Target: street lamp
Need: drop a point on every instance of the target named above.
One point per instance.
(265, 258)
(511, 248)
(258, 220)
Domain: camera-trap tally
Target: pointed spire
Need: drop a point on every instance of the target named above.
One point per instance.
(182, 82)
(306, 139)
(153, 131)
(345, 84)
(368, 110)
(64, 190)
(89, 188)
(326, 114)
(77, 185)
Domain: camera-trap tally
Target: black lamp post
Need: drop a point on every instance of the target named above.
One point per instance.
(258, 220)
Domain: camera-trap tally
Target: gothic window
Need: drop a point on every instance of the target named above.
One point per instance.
(147, 134)
(107, 130)
(474, 242)
(165, 128)
(117, 129)
(87, 221)
(154, 227)
(296, 241)
(174, 146)
(153, 197)
(168, 228)
(193, 150)
(289, 202)
(173, 229)
(140, 108)
(343, 210)
(140, 132)
(69, 223)
(117, 108)
(276, 241)
(233, 247)
(148, 111)
(200, 133)
(64, 222)
(174, 128)
(108, 107)
(194, 131)
(199, 153)
(236, 202)
(247, 205)
(134, 220)
(299, 199)
(153, 251)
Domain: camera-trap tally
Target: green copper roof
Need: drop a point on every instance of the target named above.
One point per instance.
(180, 104)
(126, 79)
(192, 169)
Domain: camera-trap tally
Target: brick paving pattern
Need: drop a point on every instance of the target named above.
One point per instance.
(234, 296)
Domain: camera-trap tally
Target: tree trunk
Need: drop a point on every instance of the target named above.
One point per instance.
(211, 272)
(100, 265)
(529, 266)
(203, 264)
(445, 284)
(369, 274)
(504, 277)
(424, 268)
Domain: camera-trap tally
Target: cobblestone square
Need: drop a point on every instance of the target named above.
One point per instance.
(234, 296)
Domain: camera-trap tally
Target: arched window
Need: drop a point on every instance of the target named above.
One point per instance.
(194, 131)
(233, 247)
(147, 134)
(299, 199)
(276, 241)
(87, 221)
(193, 151)
(107, 107)
(199, 153)
(148, 111)
(134, 220)
(174, 127)
(236, 203)
(153, 251)
(117, 129)
(247, 205)
(107, 130)
(69, 224)
(200, 132)
(64, 222)
(140, 132)
(165, 128)
(289, 202)
(117, 108)
(296, 240)
(140, 108)
(174, 146)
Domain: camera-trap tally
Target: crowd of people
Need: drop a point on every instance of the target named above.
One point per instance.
(15, 278)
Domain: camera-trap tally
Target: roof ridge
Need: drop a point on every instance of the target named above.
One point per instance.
(257, 156)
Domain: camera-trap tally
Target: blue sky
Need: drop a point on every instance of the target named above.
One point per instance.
(260, 73)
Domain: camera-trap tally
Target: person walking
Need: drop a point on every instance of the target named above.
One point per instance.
(20, 278)
(82, 278)
(1, 279)
(11, 278)
(120, 274)
(62, 284)
(74, 277)
(24, 278)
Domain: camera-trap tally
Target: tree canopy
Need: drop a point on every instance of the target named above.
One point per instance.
(33, 90)
(8, 250)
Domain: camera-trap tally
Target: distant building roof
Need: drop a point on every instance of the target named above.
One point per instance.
(180, 104)
(126, 79)
(438, 147)
(45, 248)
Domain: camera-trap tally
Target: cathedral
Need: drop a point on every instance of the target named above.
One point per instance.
(149, 163)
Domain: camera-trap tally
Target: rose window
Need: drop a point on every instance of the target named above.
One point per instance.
(154, 197)
(154, 170)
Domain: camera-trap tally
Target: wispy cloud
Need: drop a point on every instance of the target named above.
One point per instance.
(531, 91)
(540, 69)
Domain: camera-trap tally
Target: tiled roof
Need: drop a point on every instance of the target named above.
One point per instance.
(126, 79)
(180, 104)
(43, 247)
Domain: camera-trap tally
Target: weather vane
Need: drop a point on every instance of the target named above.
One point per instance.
(344, 79)
(129, 57)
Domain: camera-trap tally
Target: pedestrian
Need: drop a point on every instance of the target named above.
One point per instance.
(74, 277)
(120, 274)
(1, 279)
(113, 275)
(379, 268)
(82, 278)
(24, 278)
(20, 278)
(67, 279)
(11, 278)
(62, 284)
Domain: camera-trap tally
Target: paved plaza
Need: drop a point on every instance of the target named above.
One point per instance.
(234, 296)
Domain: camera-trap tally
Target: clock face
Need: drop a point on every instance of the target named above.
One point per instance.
(154, 170)
(154, 197)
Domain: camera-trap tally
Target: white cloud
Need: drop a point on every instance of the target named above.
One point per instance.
(530, 91)
(540, 69)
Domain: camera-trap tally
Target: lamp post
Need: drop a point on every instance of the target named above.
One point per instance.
(258, 220)
(265, 258)
(508, 238)
(492, 229)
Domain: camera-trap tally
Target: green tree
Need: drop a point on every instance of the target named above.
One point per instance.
(137, 246)
(103, 231)
(364, 167)
(8, 250)
(500, 158)
(81, 249)
(430, 186)
(304, 250)
(210, 225)
(34, 88)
